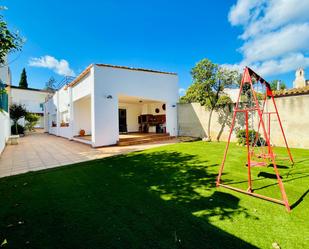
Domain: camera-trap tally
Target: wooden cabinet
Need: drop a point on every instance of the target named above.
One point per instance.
(147, 120)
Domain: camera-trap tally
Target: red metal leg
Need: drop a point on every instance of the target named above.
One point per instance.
(226, 149)
(230, 134)
(248, 155)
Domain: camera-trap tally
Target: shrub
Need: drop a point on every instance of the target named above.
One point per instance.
(32, 120)
(20, 129)
(241, 136)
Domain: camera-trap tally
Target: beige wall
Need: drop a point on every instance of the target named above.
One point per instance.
(293, 110)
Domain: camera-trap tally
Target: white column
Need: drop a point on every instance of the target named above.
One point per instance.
(171, 118)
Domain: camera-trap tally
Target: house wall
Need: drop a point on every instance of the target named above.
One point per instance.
(83, 88)
(63, 100)
(293, 111)
(115, 82)
(133, 111)
(51, 112)
(82, 115)
(151, 109)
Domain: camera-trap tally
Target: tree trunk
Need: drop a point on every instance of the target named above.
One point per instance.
(209, 123)
(16, 128)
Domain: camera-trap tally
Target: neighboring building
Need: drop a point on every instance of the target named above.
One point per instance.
(300, 80)
(32, 99)
(105, 100)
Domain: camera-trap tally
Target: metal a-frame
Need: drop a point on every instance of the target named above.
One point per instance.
(247, 79)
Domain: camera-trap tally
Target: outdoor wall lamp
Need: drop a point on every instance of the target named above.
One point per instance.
(109, 96)
(174, 106)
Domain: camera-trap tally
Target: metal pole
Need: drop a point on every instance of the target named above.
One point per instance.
(248, 155)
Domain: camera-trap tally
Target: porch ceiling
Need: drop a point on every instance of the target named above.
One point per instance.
(136, 100)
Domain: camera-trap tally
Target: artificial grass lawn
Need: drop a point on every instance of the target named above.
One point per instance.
(160, 198)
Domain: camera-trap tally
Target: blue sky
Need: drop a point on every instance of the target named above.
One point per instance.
(163, 35)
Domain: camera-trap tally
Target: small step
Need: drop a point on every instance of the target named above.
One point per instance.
(144, 136)
(144, 140)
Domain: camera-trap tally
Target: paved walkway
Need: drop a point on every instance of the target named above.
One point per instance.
(42, 151)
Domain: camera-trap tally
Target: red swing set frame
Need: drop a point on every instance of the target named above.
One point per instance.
(247, 79)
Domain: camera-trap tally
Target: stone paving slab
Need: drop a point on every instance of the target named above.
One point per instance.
(42, 151)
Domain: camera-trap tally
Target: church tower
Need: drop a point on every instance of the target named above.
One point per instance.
(300, 80)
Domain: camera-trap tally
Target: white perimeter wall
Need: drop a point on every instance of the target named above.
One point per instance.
(115, 82)
(5, 129)
(293, 111)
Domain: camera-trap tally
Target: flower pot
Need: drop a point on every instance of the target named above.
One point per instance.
(82, 133)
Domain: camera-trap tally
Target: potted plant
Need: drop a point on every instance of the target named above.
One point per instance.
(82, 132)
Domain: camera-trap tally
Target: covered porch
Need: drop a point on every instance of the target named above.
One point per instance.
(82, 130)
(141, 115)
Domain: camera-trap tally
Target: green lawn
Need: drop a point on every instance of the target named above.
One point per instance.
(160, 198)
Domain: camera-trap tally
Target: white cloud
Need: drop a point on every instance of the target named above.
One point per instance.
(60, 67)
(276, 14)
(292, 38)
(286, 64)
(275, 34)
(244, 10)
(181, 91)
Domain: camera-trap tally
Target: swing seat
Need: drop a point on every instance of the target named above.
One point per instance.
(257, 164)
(266, 156)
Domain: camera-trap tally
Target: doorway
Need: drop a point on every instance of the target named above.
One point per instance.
(122, 113)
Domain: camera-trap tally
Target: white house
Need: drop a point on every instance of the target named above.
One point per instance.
(32, 99)
(105, 100)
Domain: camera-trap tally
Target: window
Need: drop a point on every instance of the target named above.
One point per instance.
(42, 106)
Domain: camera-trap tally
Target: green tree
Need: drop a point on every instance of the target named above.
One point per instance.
(9, 41)
(32, 120)
(209, 81)
(17, 112)
(273, 85)
(23, 83)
